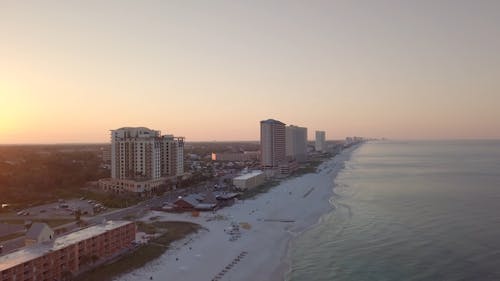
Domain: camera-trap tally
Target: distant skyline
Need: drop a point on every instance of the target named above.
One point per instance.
(70, 71)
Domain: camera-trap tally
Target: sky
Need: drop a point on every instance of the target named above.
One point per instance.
(70, 71)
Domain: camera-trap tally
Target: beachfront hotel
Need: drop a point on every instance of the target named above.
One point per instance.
(296, 143)
(142, 159)
(320, 144)
(66, 256)
(272, 143)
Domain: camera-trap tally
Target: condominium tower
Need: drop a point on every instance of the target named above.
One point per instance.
(296, 143)
(272, 143)
(142, 159)
(320, 144)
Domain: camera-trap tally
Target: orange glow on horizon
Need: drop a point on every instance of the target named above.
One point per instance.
(330, 66)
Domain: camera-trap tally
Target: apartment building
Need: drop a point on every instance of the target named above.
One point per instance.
(142, 159)
(272, 143)
(65, 256)
(320, 142)
(296, 143)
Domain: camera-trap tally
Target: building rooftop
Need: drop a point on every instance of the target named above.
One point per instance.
(39, 250)
(205, 206)
(133, 128)
(226, 195)
(272, 121)
(192, 199)
(248, 175)
(36, 229)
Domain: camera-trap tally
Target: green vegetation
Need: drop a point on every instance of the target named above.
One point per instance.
(33, 175)
(263, 188)
(153, 227)
(111, 200)
(147, 228)
(11, 236)
(130, 217)
(172, 231)
(50, 222)
(309, 167)
(196, 178)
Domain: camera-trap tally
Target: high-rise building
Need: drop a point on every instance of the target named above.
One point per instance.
(272, 143)
(296, 143)
(135, 154)
(141, 159)
(320, 144)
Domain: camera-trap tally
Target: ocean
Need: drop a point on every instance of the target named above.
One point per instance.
(419, 210)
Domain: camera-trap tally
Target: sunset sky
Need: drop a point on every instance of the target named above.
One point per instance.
(211, 70)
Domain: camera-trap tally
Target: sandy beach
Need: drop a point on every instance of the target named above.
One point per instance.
(249, 240)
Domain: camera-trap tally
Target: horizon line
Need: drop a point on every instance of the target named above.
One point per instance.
(232, 141)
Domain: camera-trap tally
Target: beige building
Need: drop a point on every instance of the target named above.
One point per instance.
(296, 143)
(142, 159)
(64, 257)
(272, 143)
(250, 180)
(135, 186)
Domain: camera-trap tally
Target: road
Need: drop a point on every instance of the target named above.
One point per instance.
(119, 214)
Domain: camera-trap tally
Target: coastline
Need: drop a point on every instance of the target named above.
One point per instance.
(286, 265)
(287, 262)
(275, 219)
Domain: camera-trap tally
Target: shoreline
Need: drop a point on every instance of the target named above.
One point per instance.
(287, 264)
(275, 219)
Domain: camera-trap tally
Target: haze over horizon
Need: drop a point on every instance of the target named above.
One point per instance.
(72, 71)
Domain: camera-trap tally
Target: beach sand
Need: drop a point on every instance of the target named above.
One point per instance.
(257, 253)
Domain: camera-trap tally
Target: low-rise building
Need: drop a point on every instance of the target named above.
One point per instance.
(38, 233)
(192, 202)
(206, 201)
(64, 257)
(249, 180)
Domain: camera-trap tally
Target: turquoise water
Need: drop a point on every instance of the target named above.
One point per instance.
(409, 211)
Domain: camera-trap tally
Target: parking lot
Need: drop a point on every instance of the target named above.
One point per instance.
(63, 208)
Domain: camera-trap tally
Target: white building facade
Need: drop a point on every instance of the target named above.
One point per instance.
(249, 180)
(320, 141)
(296, 143)
(272, 143)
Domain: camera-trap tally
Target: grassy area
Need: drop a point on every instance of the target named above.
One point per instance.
(11, 236)
(50, 222)
(172, 231)
(153, 227)
(250, 193)
(148, 228)
(110, 200)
